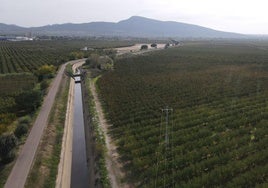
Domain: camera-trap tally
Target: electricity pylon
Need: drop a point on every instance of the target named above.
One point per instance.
(164, 151)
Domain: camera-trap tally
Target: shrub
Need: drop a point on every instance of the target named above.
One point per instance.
(93, 61)
(3, 129)
(167, 45)
(144, 47)
(44, 85)
(29, 100)
(7, 144)
(25, 119)
(7, 118)
(154, 45)
(21, 130)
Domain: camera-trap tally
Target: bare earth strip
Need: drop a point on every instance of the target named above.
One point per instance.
(20, 171)
(113, 166)
(136, 49)
(64, 169)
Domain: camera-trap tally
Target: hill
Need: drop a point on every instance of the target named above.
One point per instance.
(133, 27)
(11, 29)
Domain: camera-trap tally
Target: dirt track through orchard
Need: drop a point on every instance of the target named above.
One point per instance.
(113, 166)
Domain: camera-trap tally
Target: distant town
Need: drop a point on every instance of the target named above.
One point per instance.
(26, 37)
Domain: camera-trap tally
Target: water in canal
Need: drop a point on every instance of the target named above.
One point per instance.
(79, 175)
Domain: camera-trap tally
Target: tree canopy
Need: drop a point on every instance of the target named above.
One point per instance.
(7, 143)
(46, 71)
(28, 101)
(144, 47)
(154, 45)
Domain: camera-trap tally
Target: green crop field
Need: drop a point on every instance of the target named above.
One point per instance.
(25, 74)
(20, 63)
(217, 133)
(28, 56)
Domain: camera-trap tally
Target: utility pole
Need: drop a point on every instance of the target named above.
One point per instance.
(167, 111)
(168, 149)
(164, 151)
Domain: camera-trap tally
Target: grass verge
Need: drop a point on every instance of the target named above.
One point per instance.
(5, 170)
(99, 139)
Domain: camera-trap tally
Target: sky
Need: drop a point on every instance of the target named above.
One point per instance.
(241, 16)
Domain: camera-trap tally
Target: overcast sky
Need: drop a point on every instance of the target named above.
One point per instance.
(243, 16)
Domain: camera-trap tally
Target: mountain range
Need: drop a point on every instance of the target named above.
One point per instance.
(135, 26)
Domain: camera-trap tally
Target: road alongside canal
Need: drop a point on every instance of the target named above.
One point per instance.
(20, 170)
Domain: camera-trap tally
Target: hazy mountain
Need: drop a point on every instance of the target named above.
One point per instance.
(133, 27)
(11, 29)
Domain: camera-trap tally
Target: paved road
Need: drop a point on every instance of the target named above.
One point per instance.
(20, 171)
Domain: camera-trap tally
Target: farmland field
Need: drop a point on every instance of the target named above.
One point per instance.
(26, 69)
(16, 57)
(20, 62)
(217, 133)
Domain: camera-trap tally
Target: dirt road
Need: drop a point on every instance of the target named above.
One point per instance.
(113, 166)
(135, 49)
(20, 171)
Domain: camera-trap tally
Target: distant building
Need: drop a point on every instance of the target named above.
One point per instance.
(20, 39)
(86, 49)
(14, 38)
(24, 38)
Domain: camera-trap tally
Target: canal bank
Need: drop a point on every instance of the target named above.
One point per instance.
(85, 155)
(65, 166)
(90, 134)
(79, 175)
(92, 146)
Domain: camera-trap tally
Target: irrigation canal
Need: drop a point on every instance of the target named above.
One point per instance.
(79, 174)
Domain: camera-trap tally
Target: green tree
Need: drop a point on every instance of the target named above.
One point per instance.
(93, 61)
(46, 71)
(69, 71)
(144, 47)
(111, 53)
(25, 120)
(21, 130)
(7, 144)
(76, 55)
(154, 45)
(105, 63)
(167, 45)
(44, 85)
(28, 101)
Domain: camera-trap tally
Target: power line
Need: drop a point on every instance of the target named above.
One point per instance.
(167, 111)
(164, 150)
